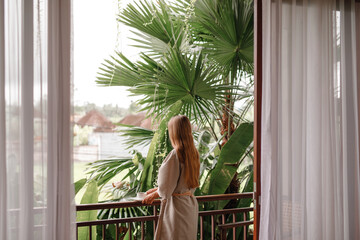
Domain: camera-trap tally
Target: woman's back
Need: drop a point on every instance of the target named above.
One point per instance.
(179, 208)
(177, 179)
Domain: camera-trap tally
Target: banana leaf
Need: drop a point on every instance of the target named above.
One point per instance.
(90, 196)
(220, 177)
(79, 185)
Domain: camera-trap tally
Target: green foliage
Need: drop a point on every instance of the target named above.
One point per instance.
(120, 213)
(79, 185)
(90, 196)
(136, 136)
(225, 29)
(103, 171)
(170, 73)
(232, 152)
(81, 135)
(203, 141)
(155, 150)
(162, 83)
(195, 55)
(209, 152)
(242, 203)
(157, 26)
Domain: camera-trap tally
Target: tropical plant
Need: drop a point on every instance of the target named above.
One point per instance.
(135, 136)
(224, 29)
(176, 77)
(196, 60)
(90, 196)
(178, 84)
(230, 157)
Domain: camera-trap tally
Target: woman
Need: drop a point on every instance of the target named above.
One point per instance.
(177, 180)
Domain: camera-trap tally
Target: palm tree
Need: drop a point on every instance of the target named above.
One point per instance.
(193, 59)
(176, 83)
(224, 29)
(173, 76)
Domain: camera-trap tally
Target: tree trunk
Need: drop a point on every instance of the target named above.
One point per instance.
(227, 126)
(233, 188)
(227, 121)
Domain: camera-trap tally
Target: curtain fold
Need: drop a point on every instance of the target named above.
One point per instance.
(61, 223)
(310, 157)
(36, 190)
(26, 119)
(3, 180)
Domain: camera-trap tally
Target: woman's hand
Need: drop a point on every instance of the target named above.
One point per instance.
(149, 199)
(151, 191)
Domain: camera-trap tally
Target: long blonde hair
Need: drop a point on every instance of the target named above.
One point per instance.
(182, 140)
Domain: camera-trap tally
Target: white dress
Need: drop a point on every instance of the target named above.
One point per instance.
(178, 218)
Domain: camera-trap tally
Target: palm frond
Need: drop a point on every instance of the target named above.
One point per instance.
(224, 28)
(157, 26)
(118, 71)
(104, 170)
(177, 76)
(136, 136)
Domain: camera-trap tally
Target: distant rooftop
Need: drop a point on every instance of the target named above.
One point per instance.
(138, 120)
(97, 120)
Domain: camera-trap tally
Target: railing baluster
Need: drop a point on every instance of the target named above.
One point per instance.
(223, 234)
(201, 228)
(233, 226)
(130, 236)
(212, 227)
(155, 221)
(77, 232)
(142, 231)
(103, 231)
(223, 231)
(90, 232)
(245, 232)
(234, 229)
(117, 232)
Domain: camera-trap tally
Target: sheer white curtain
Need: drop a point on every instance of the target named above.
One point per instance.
(36, 191)
(310, 157)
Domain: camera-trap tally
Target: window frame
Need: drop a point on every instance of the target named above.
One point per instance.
(257, 112)
(357, 36)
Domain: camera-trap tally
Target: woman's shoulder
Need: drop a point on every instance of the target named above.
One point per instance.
(172, 156)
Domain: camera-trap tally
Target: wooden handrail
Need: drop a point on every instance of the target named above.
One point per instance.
(117, 220)
(236, 224)
(151, 218)
(206, 198)
(225, 211)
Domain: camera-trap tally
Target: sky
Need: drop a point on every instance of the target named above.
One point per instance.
(97, 35)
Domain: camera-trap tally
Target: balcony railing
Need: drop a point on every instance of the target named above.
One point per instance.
(215, 215)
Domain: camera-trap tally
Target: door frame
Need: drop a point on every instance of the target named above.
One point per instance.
(257, 112)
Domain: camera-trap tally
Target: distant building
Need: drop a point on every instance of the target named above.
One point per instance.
(105, 142)
(95, 119)
(139, 120)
